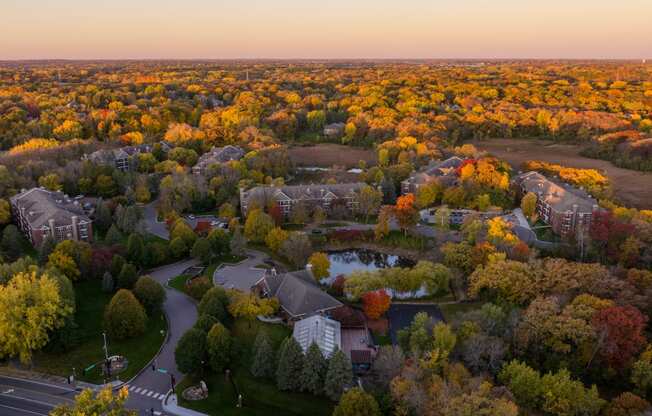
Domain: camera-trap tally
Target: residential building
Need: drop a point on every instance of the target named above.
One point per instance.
(40, 213)
(445, 172)
(217, 155)
(298, 293)
(357, 341)
(311, 196)
(318, 329)
(334, 130)
(121, 158)
(566, 209)
(457, 216)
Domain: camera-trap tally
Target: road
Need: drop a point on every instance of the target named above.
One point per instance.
(20, 397)
(242, 276)
(159, 228)
(148, 388)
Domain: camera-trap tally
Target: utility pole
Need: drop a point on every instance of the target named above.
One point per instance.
(106, 349)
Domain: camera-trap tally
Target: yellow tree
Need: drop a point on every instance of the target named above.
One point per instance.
(275, 238)
(31, 308)
(248, 306)
(320, 265)
(529, 204)
(65, 264)
(102, 403)
(382, 227)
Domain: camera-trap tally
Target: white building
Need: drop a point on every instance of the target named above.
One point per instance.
(324, 332)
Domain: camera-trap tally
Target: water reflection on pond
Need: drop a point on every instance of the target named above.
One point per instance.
(347, 261)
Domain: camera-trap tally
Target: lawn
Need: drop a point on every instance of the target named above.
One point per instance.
(179, 282)
(260, 397)
(88, 336)
(452, 311)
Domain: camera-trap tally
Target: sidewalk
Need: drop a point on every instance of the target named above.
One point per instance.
(52, 379)
(170, 406)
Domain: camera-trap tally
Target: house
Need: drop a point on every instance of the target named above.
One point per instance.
(334, 130)
(121, 158)
(40, 213)
(311, 196)
(357, 342)
(318, 329)
(217, 155)
(298, 293)
(566, 209)
(445, 172)
(457, 216)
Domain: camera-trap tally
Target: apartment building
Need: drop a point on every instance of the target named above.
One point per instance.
(40, 213)
(566, 209)
(311, 196)
(217, 155)
(443, 171)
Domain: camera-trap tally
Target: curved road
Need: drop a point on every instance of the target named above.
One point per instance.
(181, 311)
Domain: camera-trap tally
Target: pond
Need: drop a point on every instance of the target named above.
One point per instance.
(344, 262)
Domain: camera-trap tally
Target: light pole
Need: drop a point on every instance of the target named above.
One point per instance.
(106, 349)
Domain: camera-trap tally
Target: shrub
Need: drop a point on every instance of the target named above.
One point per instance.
(124, 317)
(198, 287)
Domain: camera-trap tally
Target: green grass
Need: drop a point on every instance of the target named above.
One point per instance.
(396, 238)
(88, 350)
(179, 282)
(260, 396)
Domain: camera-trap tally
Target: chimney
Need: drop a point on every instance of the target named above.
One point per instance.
(52, 231)
(75, 230)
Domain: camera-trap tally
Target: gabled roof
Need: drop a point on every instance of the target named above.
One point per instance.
(324, 332)
(220, 155)
(305, 192)
(561, 197)
(299, 294)
(436, 170)
(41, 205)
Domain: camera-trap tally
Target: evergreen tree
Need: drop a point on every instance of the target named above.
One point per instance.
(290, 366)
(389, 191)
(113, 236)
(263, 362)
(135, 248)
(117, 261)
(108, 283)
(314, 370)
(205, 322)
(219, 345)
(238, 243)
(339, 375)
(47, 247)
(128, 276)
(102, 218)
(11, 241)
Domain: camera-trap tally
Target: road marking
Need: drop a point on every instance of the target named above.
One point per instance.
(8, 391)
(160, 396)
(25, 380)
(150, 394)
(138, 390)
(157, 413)
(25, 411)
(131, 388)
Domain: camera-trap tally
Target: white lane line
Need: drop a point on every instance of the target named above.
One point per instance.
(150, 394)
(24, 411)
(157, 413)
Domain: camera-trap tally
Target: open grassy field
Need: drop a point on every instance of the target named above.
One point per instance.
(88, 350)
(329, 154)
(632, 188)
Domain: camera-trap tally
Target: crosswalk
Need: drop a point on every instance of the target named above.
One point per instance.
(147, 393)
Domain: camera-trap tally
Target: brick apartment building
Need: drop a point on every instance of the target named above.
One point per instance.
(40, 213)
(566, 209)
(311, 196)
(217, 155)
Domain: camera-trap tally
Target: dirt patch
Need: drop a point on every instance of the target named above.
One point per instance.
(631, 188)
(329, 154)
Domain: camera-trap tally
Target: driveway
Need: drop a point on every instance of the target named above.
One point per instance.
(241, 276)
(148, 388)
(152, 225)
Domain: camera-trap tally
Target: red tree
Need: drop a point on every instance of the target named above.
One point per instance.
(405, 212)
(275, 212)
(620, 334)
(375, 303)
(338, 285)
(608, 232)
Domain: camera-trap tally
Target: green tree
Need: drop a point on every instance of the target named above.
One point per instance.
(205, 323)
(290, 366)
(297, 248)
(5, 212)
(113, 236)
(191, 351)
(219, 242)
(178, 248)
(32, 306)
(219, 346)
(524, 382)
(214, 303)
(104, 402)
(338, 376)
(369, 200)
(567, 397)
(443, 218)
(102, 217)
(258, 225)
(150, 293)
(135, 248)
(124, 316)
(201, 250)
(262, 365)
(117, 262)
(128, 276)
(12, 241)
(314, 370)
(356, 402)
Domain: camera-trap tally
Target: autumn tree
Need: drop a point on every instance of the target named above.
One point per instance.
(356, 402)
(219, 346)
(405, 212)
(257, 226)
(529, 205)
(320, 265)
(381, 230)
(104, 402)
(124, 316)
(275, 238)
(248, 306)
(375, 303)
(369, 200)
(620, 332)
(32, 307)
(296, 248)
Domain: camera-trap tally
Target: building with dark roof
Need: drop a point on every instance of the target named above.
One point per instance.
(311, 196)
(121, 158)
(445, 172)
(566, 209)
(40, 213)
(217, 155)
(298, 293)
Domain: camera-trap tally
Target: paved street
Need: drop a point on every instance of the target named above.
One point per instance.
(152, 225)
(243, 275)
(19, 397)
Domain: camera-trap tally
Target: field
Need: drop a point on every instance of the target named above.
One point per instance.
(329, 154)
(631, 188)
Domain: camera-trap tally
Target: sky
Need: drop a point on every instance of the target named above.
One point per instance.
(328, 29)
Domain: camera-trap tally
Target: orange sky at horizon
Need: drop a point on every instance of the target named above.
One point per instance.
(76, 29)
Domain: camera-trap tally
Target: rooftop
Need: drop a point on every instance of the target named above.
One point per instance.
(560, 196)
(322, 331)
(41, 205)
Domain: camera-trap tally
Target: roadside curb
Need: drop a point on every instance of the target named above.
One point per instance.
(170, 405)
